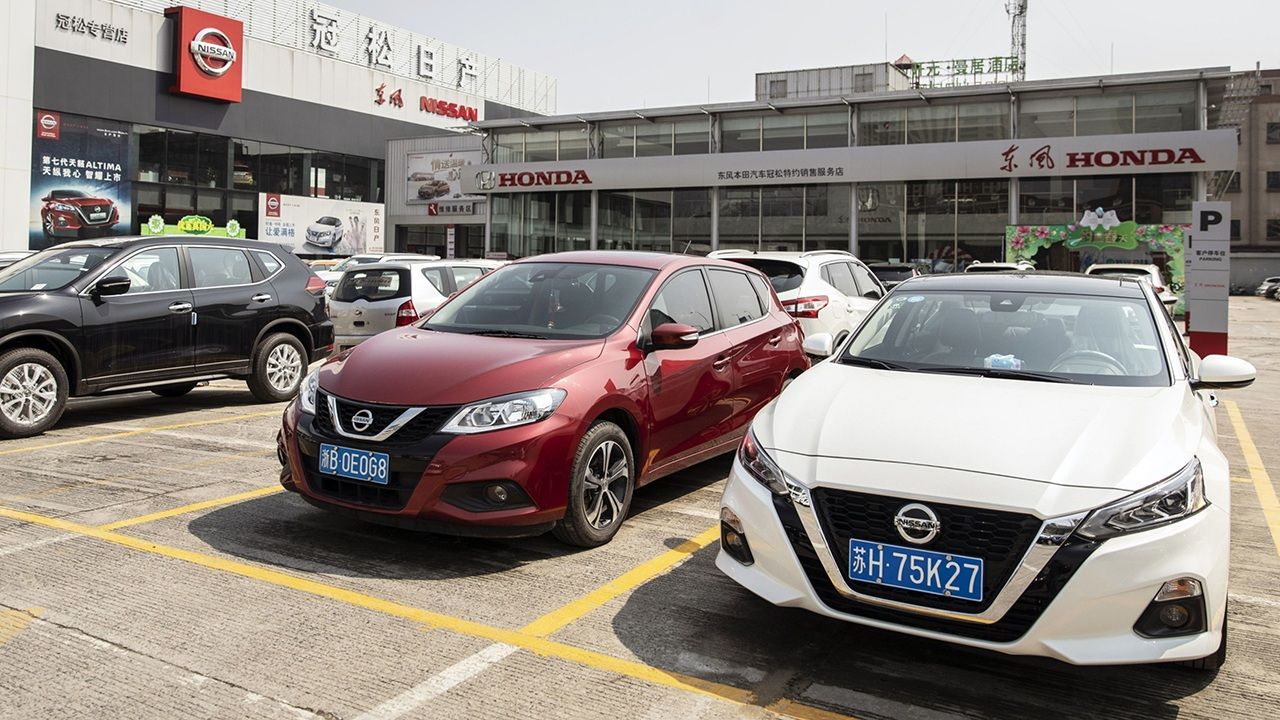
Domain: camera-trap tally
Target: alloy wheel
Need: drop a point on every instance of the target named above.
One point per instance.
(605, 485)
(284, 367)
(28, 394)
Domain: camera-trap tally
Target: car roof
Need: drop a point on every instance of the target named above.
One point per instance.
(128, 241)
(629, 258)
(1145, 267)
(1033, 282)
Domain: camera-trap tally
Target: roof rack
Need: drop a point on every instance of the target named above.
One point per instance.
(731, 251)
(827, 252)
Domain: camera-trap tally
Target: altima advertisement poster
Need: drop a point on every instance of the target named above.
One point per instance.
(437, 177)
(320, 226)
(79, 179)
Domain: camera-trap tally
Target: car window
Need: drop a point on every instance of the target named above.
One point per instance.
(783, 275)
(372, 285)
(52, 269)
(684, 299)
(219, 267)
(1089, 339)
(436, 276)
(464, 276)
(151, 271)
(736, 300)
(866, 283)
(269, 262)
(841, 278)
(762, 290)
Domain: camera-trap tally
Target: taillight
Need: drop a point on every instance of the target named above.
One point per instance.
(806, 307)
(406, 314)
(1159, 289)
(315, 285)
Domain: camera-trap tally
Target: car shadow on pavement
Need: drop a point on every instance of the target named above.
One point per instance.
(87, 411)
(284, 531)
(696, 621)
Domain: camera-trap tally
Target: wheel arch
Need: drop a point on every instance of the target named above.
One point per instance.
(292, 326)
(52, 343)
(626, 420)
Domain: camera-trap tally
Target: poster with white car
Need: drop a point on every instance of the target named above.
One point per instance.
(321, 226)
(437, 177)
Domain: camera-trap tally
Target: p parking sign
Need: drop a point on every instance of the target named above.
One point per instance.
(1208, 266)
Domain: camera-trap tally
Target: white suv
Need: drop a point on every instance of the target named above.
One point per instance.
(827, 291)
(333, 274)
(373, 297)
(1149, 273)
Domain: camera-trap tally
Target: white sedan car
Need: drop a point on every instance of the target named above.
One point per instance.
(1149, 273)
(1023, 463)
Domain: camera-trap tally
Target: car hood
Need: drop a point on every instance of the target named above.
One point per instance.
(412, 366)
(83, 201)
(320, 229)
(1117, 438)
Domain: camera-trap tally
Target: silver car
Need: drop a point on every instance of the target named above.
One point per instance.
(369, 299)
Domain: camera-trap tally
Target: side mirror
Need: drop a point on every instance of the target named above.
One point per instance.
(820, 344)
(673, 336)
(114, 285)
(1224, 372)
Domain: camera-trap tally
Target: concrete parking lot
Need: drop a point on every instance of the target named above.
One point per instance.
(150, 567)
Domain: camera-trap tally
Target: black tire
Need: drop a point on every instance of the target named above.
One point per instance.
(174, 390)
(1213, 662)
(13, 359)
(259, 380)
(576, 528)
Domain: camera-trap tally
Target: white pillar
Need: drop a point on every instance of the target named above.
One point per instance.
(17, 78)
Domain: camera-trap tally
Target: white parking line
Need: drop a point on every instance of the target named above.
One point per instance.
(440, 683)
(35, 544)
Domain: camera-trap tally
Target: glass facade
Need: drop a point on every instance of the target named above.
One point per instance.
(946, 224)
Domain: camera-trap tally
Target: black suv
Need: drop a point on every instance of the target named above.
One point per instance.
(159, 313)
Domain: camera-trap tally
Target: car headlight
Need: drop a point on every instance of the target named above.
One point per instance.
(307, 394)
(1177, 497)
(63, 207)
(505, 412)
(760, 466)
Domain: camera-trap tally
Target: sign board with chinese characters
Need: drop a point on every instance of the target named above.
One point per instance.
(79, 179)
(1208, 261)
(436, 178)
(79, 25)
(1129, 154)
(965, 71)
(321, 226)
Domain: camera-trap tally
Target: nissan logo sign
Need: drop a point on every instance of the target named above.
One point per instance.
(48, 122)
(207, 53)
(361, 421)
(273, 203)
(917, 524)
(486, 180)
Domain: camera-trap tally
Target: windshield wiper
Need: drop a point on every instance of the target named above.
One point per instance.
(1002, 373)
(496, 332)
(876, 363)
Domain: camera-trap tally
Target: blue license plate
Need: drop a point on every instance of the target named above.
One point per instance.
(926, 571)
(354, 464)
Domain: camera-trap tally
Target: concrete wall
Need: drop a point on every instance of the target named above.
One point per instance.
(17, 55)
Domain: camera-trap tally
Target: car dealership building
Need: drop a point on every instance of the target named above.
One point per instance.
(228, 118)
(940, 176)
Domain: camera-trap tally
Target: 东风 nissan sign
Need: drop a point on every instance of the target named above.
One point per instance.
(448, 109)
(208, 56)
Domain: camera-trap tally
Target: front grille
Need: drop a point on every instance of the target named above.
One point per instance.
(999, 538)
(87, 210)
(422, 426)
(1015, 623)
(392, 496)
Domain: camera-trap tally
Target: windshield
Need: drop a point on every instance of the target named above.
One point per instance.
(892, 274)
(546, 300)
(326, 220)
(1087, 339)
(783, 275)
(52, 269)
(63, 194)
(372, 285)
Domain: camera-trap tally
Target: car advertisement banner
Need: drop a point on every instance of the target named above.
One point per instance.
(192, 225)
(437, 177)
(80, 179)
(320, 226)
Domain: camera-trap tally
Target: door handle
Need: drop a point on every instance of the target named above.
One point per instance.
(260, 297)
(720, 365)
(180, 307)
(775, 339)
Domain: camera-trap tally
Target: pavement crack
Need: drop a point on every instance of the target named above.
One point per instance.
(195, 675)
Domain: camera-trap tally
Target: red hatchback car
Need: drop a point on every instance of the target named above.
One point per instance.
(541, 396)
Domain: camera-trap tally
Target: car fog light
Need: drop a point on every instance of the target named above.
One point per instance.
(496, 494)
(1174, 616)
(732, 537)
(1179, 589)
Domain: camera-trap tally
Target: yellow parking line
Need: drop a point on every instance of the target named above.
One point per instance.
(140, 431)
(536, 645)
(803, 712)
(193, 507)
(13, 622)
(633, 578)
(1261, 479)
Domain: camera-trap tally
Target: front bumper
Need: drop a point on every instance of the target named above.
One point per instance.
(1085, 618)
(536, 457)
(325, 240)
